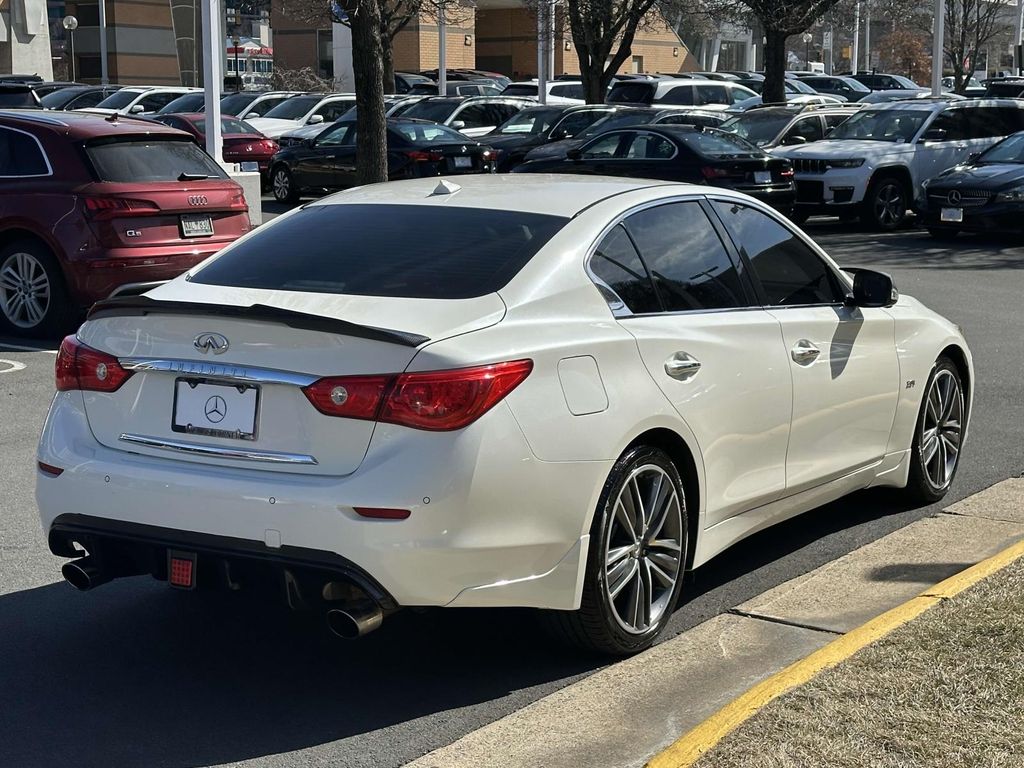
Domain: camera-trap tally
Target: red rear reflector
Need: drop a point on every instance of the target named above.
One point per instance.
(85, 368)
(49, 469)
(432, 400)
(378, 513)
(181, 569)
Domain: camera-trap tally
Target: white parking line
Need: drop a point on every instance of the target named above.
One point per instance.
(14, 366)
(21, 348)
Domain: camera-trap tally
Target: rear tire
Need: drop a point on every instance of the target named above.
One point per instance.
(283, 184)
(938, 437)
(34, 299)
(638, 545)
(885, 206)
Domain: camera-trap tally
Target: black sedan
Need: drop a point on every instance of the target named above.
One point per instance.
(536, 126)
(986, 194)
(680, 153)
(416, 148)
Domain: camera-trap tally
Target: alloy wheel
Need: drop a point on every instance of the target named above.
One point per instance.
(282, 184)
(643, 549)
(24, 290)
(942, 429)
(889, 204)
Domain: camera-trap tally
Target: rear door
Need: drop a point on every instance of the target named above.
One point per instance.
(651, 156)
(716, 356)
(317, 166)
(932, 157)
(843, 363)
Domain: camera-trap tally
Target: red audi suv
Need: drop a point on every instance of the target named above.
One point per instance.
(90, 205)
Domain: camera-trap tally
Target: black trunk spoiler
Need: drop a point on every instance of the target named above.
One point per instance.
(126, 306)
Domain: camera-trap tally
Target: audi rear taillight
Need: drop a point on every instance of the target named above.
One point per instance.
(421, 156)
(82, 367)
(432, 400)
(118, 207)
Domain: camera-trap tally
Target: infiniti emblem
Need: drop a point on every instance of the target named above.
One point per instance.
(954, 197)
(211, 342)
(216, 409)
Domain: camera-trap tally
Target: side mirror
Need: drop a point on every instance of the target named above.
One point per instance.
(315, 120)
(557, 135)
(872, 289)
(574, 154)
(458, 125)
(934, 134)
(311, 142)
(794, 138)
(138, 109)
(973, 157)
(251, 115)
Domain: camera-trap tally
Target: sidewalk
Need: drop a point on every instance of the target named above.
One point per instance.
(945, 690)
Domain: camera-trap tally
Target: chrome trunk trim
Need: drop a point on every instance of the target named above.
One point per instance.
(214, 451)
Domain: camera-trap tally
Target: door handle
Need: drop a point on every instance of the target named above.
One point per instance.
(682, 366)
(805, 353)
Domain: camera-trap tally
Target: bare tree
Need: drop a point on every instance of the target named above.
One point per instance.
(302, 79)
(970, 25)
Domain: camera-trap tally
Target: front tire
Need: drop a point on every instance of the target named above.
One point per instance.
(638, 545)
(283, 184)
(33, 297)
(885, 207)
(935, 454)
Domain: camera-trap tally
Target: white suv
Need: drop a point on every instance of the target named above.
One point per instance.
(874, 164)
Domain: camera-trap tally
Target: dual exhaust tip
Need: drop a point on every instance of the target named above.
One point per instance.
(349, 623)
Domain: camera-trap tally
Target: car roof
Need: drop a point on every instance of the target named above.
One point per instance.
(84, 125)
(553, 194)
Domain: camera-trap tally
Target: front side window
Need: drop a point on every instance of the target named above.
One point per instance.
(474, 116)
(895, 125)
(20, 155)
(335, 109)
(617, 264)
(808, 127)
(687, 260)
(155, 101)
(789, 271)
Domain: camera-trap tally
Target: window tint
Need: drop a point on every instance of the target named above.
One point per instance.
(155, 101)
(808, 127)
(499, 113)
(736, 95)
(953, 123)
(574, 91)
(687, 259)
(20, 155)
(334, 110)
(681, 94)
(410, 251)
(831, 121)
(618, 265)
(983, 122)
(604, 147)
(475, 116)
(1012, 120)
(648, 146)
(133, 159)
(336, 135)
(789, 271)
(87, 99)
(575, 122)
(635, 93)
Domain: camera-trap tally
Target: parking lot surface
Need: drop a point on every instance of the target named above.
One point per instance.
(136, 674)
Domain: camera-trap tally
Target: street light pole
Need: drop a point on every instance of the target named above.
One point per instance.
(238, 78)
(807, 37)
(70, 23)
(104, 76)
(939, 30)
(856, 38)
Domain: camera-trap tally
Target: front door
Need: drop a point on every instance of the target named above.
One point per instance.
(842, 359)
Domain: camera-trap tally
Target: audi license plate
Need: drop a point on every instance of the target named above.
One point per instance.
(215, 410)
(196, 225)
(762, 177)
(955, 215)
(463, 162)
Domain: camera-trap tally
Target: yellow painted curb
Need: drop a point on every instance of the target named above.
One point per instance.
(694, 744)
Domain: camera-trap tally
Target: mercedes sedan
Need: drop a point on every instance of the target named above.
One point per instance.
(554, 392)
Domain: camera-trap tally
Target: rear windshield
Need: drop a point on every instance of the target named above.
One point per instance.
(636, 93)
(721, 145)
(119, 100)
(142, 160)
(407, 251)
(758, 127)
(22, 99)
(435, 111)
(236, 102)
(294, 108)
(427, 133)
(228, 126)
(520, 89)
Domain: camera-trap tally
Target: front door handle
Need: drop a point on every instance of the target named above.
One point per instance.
(805, 353)
(682, 366)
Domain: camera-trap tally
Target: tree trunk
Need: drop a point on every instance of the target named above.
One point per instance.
(774, 90)
(592, 73)
(368, 70)
(388, 62)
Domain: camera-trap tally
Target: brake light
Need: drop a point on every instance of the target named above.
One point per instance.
(238, 202)
(433, 400)
(271, 146)
(84, 368)
(710, 172)
(421, 156)
(118, 207)
(786, 173)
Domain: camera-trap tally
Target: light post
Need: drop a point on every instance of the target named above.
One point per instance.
(807, 37)
(238, 78)
(70, 23)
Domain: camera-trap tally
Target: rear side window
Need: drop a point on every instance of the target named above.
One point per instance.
(637, 93)
(617, 264)
(20, 155)
(141, 160)
(407, 251)
(711, 94)
(689, 264)
(681, 94)
(568, 91)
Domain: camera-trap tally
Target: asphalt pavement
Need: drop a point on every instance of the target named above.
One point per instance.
(134, 674)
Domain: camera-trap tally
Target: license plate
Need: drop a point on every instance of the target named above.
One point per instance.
(951, 214)
(463, 162)
(249, 167)
(762, 177)
(196, 225)
(216, 410)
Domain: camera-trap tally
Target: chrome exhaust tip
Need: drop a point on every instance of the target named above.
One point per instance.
(84, 574)
(354, 620)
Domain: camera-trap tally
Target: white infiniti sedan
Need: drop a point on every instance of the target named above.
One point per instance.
(554, 392)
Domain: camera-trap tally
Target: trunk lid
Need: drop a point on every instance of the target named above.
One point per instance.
(271, 349)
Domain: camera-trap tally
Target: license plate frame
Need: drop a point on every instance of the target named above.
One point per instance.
(200, 394)
(952, 215)
(762, 177)
(250, 166)
(196, 225)
(462, 163)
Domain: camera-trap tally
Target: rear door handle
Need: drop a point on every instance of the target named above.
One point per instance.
(682, 366)
(804, 352)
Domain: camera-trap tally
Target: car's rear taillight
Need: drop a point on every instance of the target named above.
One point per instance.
(421, 156)
(238, 202)
(118, 207)
(271, 145)
(85, 368)
(710, 172)
(431, 400)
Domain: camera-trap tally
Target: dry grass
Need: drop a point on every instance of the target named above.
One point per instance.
(945, 691)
